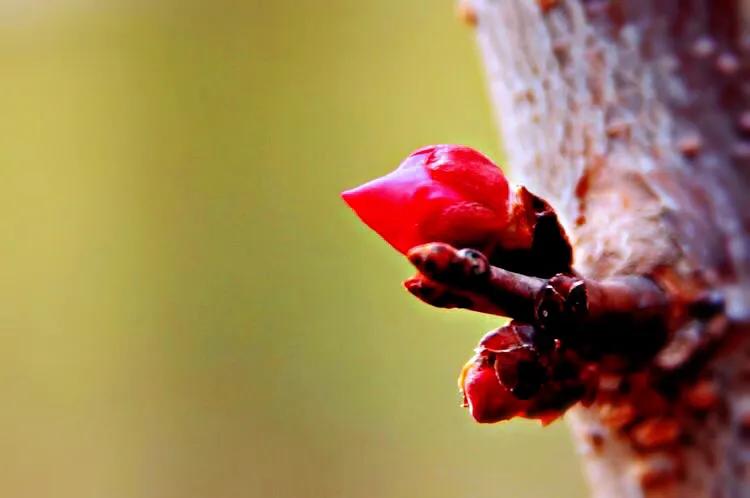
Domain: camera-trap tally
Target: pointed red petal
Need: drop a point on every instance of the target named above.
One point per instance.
(386, 205)
(407, 207)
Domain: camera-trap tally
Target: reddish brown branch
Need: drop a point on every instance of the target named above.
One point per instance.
(599, 317)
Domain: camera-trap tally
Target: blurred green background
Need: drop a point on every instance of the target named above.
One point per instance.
(187, 307)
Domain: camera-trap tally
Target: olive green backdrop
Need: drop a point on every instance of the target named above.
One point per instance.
(187, 309)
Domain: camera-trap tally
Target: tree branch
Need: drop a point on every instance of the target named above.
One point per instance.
(629, 117)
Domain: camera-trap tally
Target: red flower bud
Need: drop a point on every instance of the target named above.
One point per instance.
(440, 193)
(516, 351)
(489, 380)
(487, 399)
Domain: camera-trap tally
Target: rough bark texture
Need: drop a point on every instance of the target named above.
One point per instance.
(632, 118)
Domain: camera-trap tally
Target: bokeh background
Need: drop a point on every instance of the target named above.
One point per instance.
(187, 309)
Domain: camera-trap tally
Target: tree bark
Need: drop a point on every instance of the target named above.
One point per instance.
(632, 118)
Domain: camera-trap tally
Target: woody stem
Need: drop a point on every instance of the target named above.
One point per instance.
(563, 301)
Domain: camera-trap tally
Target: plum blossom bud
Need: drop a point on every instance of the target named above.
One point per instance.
(486, 398)
(440, 193)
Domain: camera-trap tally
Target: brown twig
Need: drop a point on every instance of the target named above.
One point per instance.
(565, 305)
